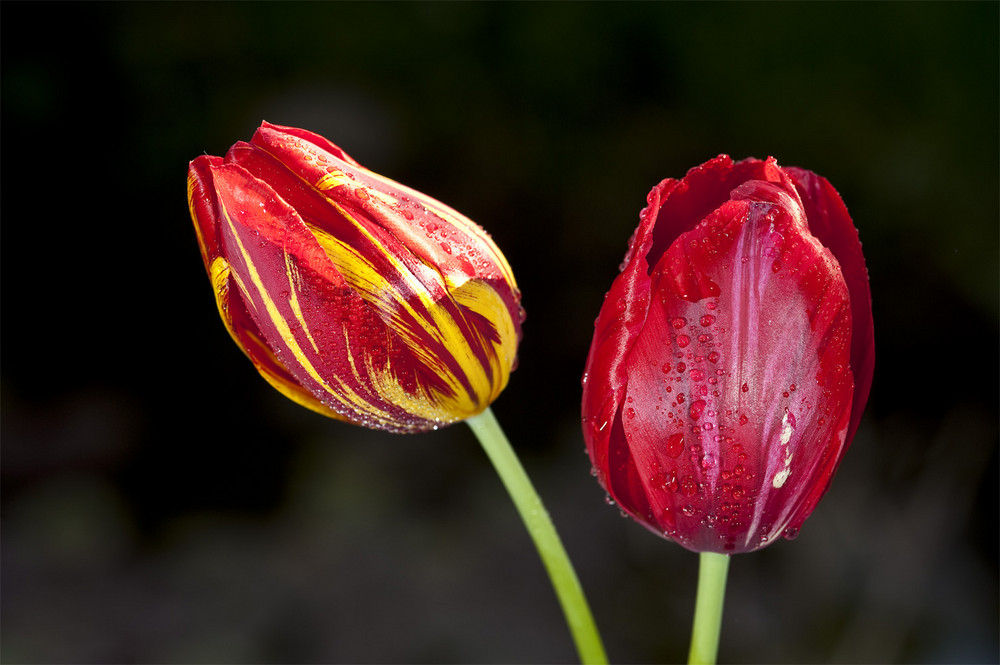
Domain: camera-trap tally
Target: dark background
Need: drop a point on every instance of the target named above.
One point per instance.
(161, 503)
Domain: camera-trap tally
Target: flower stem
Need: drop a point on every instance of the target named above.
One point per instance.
(543, 532)
(712, 570)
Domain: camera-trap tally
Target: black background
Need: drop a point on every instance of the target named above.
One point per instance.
(161, 503)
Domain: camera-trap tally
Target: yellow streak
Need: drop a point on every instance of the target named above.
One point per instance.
(293, 282)
(455, 218)
(375, 289)
(349, 398)
(334, 178)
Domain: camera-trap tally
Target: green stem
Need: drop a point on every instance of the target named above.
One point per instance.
(712, 570)
(543, 532)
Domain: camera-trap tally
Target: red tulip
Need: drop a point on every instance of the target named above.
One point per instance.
(353, 295)
(732, 357)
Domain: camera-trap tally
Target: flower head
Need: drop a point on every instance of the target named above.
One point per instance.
(353, 295)
(732, 357)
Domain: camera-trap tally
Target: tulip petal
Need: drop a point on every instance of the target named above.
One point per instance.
(440, 235)
(830, 222)
(270, 258)
(414, 294)
(204, 206)
(682, 204)
(380, 369)
(744, 352)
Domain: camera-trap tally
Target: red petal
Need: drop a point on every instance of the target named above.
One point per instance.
(204, 207)
(320, 329)
(720, 388)
(703, 189)
(830, 222)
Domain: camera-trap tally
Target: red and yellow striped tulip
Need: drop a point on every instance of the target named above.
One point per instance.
(353, 295)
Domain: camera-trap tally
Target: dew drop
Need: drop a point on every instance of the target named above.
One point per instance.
(666, 367)
(791, 533)
(707, 320)
(679, 322)
(675, 444)
(743, 419)
(745, 388)
(683, 341)
(688, 510)
(697, 407)
(713, 357)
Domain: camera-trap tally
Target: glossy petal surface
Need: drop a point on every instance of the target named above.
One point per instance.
(353, 295)
(719, 392)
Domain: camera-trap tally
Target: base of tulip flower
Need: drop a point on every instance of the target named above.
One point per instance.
(712, 571)
(543, 533)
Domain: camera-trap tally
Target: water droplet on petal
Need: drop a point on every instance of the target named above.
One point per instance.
(683, 341)
(697, 407)
(679, 322)
(675, 444)
(707, 320)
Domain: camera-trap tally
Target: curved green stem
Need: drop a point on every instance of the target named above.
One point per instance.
(543, 532)
(712, 571)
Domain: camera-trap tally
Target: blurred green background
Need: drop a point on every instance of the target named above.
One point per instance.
(161, 503)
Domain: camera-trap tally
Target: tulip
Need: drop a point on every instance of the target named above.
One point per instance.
(372, 303)
(732, 357)
(353, 295)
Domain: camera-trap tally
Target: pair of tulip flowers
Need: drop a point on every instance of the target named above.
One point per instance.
(730, 363)
(729, 368)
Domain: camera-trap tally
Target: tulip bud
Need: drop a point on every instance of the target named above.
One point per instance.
(353, 295)
(732, 357)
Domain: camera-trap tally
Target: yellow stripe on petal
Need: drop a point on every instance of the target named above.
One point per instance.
(334, 178)
(220, 275)
(346, 397)
(284, 384)
(456, 219)
(293, 291)
(481, 298)
(383, 294)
